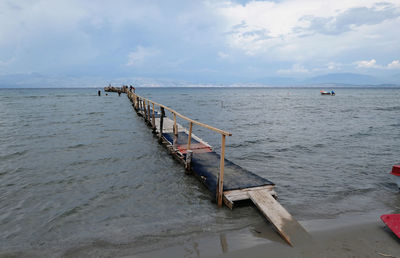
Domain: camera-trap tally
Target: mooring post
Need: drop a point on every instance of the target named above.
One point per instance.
(153, 119)
(220, 189)
(189, 155)
(162, 121)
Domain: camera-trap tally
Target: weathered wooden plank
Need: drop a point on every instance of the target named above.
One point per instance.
(220, 189)
(290, 230)
(243, 194)
(266, 187)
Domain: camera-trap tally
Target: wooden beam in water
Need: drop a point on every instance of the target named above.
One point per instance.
(289, 229)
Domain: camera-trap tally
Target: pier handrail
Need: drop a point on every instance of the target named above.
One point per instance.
(223, 133)
(185, 117)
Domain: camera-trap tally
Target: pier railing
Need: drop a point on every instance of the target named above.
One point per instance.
(147, 105)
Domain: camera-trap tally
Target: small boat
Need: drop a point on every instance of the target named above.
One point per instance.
(396, 175)
(332, 93)
(393, 222)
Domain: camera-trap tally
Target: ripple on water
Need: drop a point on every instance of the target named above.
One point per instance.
(83, 179)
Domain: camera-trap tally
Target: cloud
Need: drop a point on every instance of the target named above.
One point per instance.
(296, 69)
(140, 55)
(300, 31)
(367, 64)
(394, 65)
(191, 39)
(351, 18)
(222, 55)
(7, 62)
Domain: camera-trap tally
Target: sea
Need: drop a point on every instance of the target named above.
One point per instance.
(82, 175)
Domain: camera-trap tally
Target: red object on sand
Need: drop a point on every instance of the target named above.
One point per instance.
(393, 222)
(396, 170)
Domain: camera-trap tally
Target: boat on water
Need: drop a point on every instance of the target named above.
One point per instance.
(332, 93)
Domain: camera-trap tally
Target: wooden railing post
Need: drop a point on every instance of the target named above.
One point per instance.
(220, 189)
(148, 111)
(175, 130)
(190, 135)
(162, 121)
(153, 119)
(189, 153)
(175, 127)
(144, 109)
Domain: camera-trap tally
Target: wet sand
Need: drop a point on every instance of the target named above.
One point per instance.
(364, 240)
(350, 236)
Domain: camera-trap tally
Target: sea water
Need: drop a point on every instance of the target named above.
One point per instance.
(78, 171)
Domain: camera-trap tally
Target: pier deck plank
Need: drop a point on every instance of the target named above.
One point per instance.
(238, 184)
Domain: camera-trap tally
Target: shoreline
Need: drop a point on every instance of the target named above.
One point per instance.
(352, 235)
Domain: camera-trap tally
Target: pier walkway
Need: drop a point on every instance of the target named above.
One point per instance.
(228, 182)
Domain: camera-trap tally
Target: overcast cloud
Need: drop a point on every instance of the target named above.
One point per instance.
(199, 40)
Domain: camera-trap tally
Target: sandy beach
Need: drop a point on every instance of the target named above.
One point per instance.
(350, 236)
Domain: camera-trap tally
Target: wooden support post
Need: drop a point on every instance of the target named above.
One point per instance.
(162, 121)
(144, 110)
(220, 189)
(175, 127)
(148, 111)
(190, 136)
(189, 155)
(153, 119)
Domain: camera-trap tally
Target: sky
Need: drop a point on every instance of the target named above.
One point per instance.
(200, 41)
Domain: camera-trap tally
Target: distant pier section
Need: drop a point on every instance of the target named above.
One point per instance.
(227, 181)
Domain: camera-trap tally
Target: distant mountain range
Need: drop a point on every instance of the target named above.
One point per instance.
(36, 80)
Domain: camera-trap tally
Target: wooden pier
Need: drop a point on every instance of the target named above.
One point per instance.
(228, 182)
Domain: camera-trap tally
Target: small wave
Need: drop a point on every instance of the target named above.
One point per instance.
(77, 146)
(394, 108)
(106, 160)
(301, 147)
(80, 162)
(35, 97)
(360, 135)
(13, 155)
(282, 150)
(95, 113)
(257, 156)
(66, 213)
